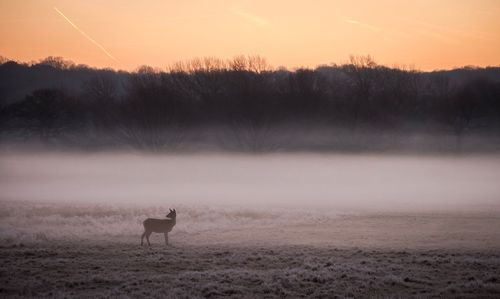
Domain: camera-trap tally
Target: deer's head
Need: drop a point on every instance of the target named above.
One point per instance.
(172, 214)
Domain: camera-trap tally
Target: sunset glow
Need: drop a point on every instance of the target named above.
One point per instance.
(125, 34)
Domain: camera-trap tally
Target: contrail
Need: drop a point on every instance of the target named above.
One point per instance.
(364, 25)
(249, 17)
(85, 35)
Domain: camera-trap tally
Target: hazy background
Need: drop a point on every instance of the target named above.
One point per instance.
(245, 105)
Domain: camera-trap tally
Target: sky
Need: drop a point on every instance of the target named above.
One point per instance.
(125, 34)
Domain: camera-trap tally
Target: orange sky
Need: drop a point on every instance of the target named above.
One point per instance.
(124, 34)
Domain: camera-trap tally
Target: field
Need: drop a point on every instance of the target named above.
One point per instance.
(62, 238)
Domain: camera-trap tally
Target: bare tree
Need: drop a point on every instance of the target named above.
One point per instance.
(151, 116)
(362, 71)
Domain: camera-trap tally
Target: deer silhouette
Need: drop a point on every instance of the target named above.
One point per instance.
(152, 225)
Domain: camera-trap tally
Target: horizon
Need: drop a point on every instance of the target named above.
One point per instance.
(125, 35)
(270, 65)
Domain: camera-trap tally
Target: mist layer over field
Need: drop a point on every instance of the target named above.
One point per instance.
(354, 182)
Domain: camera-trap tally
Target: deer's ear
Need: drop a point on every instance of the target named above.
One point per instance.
(170, 210)
(175, 211)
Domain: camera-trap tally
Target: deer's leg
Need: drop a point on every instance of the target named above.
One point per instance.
(142, 237)
(166, 238)
(147, 237)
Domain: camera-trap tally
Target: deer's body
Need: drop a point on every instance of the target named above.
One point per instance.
(152, 225)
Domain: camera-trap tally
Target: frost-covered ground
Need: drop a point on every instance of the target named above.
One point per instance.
(45, 223)
(57, 250)
(250, 226)
(126, 270)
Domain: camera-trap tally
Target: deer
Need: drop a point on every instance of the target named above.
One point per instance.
(152, 225)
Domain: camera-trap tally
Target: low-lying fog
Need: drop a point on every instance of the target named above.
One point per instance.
(53, 195)
(347, 182)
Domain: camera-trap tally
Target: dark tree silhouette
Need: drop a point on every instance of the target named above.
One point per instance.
(469, 107)
(46, 114)
(362, 71)
(151, 116)
(244, 104)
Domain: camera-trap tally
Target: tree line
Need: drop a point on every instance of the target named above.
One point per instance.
(57, 102)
